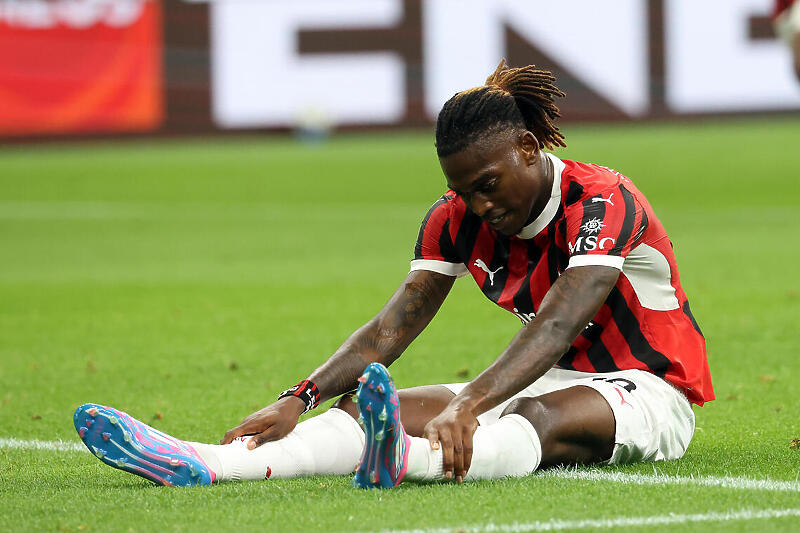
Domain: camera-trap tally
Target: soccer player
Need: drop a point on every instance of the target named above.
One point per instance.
(786, 21)
(603, 370)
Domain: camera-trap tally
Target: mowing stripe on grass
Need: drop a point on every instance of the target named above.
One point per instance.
(608, 523)
(560, 473)
(53, 445)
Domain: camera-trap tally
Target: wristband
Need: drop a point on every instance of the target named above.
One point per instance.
(306, 391)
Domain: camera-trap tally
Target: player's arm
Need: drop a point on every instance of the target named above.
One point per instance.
(382, 339)
(566, 309)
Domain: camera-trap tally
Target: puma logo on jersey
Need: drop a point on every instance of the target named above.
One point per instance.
(480, 264)
(601, 199)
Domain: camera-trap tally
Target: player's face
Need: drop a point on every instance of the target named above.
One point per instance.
(505, 179)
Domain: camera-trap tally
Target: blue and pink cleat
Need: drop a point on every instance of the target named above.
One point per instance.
(123, 442)
(385, 457)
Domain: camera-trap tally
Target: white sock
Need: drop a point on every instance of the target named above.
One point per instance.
(330, 443)
(509, 447)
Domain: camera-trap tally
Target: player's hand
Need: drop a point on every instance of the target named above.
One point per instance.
(273, 422)
(452, 431)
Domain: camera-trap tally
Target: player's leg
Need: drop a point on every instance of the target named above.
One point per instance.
(574, 425)
(507, 447)
(330, 443)
(418, 405)
(566, 417)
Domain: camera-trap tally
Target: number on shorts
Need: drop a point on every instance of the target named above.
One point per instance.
(629, 385)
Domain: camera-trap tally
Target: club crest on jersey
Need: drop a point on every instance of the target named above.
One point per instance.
(593, 225)
(480, 264)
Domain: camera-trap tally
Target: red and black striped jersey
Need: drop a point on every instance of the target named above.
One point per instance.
(595, 216)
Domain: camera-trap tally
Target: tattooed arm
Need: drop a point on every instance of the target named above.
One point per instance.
(387, 335)
(382, 339)
(566, 309)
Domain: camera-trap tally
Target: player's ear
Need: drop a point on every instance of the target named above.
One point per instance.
(529, 147)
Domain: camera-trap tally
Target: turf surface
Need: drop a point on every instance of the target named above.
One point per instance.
(188, 282)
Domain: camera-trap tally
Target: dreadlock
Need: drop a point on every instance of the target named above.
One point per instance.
(512, 98)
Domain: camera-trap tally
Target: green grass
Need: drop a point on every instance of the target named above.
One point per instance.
(188, 282)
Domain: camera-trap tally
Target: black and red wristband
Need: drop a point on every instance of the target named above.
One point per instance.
(306, 391)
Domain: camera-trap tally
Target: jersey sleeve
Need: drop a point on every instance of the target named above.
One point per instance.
(604, 228)
(434, 250)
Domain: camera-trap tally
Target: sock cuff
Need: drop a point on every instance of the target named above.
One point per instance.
(525, 424)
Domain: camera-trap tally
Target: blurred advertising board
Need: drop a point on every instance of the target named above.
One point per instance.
(398, 61)
(80, 66)
(201, 66)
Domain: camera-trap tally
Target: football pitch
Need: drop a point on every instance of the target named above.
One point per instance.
(188, 282)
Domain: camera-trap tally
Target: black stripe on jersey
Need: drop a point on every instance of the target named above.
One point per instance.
(688, 312)
(418, 246)
(628, 325)
(642, 228)
(467, 234)
(522, 299)
(591, 211)
(494, 284)
(556, 258)
(446, 243)
(591, 222)
(567, 358)
(627, 223)
(600, 357)
(574, 193)
(592, 332)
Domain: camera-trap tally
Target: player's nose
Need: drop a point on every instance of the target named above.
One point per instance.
(480, 204)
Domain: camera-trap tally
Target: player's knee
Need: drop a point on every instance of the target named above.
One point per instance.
(534, 410)
(346, 404)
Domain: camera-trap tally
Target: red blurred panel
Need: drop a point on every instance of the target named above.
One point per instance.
(63, 71)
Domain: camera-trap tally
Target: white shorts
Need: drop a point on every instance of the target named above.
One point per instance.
(654, 419)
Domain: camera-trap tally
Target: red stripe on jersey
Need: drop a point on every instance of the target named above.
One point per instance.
(517, 270)
(483, 251)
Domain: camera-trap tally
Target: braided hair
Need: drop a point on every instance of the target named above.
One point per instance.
(512, 98)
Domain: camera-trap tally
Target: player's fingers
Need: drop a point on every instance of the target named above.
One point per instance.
(248, 426)
(232, 434)
(265, 436)
(447, 454)
(433, 437)
(467, 461)
(458, 458)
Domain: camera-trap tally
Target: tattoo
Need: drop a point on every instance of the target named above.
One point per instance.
(566, 309)
(387, 335)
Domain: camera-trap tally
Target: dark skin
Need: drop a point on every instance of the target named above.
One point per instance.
(507, 180)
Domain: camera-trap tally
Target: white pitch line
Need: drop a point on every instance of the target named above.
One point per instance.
(662, 479)
(53, 445)
(727, 482)
(609, 523)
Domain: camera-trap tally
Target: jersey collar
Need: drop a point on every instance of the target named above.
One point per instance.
(550, 210)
